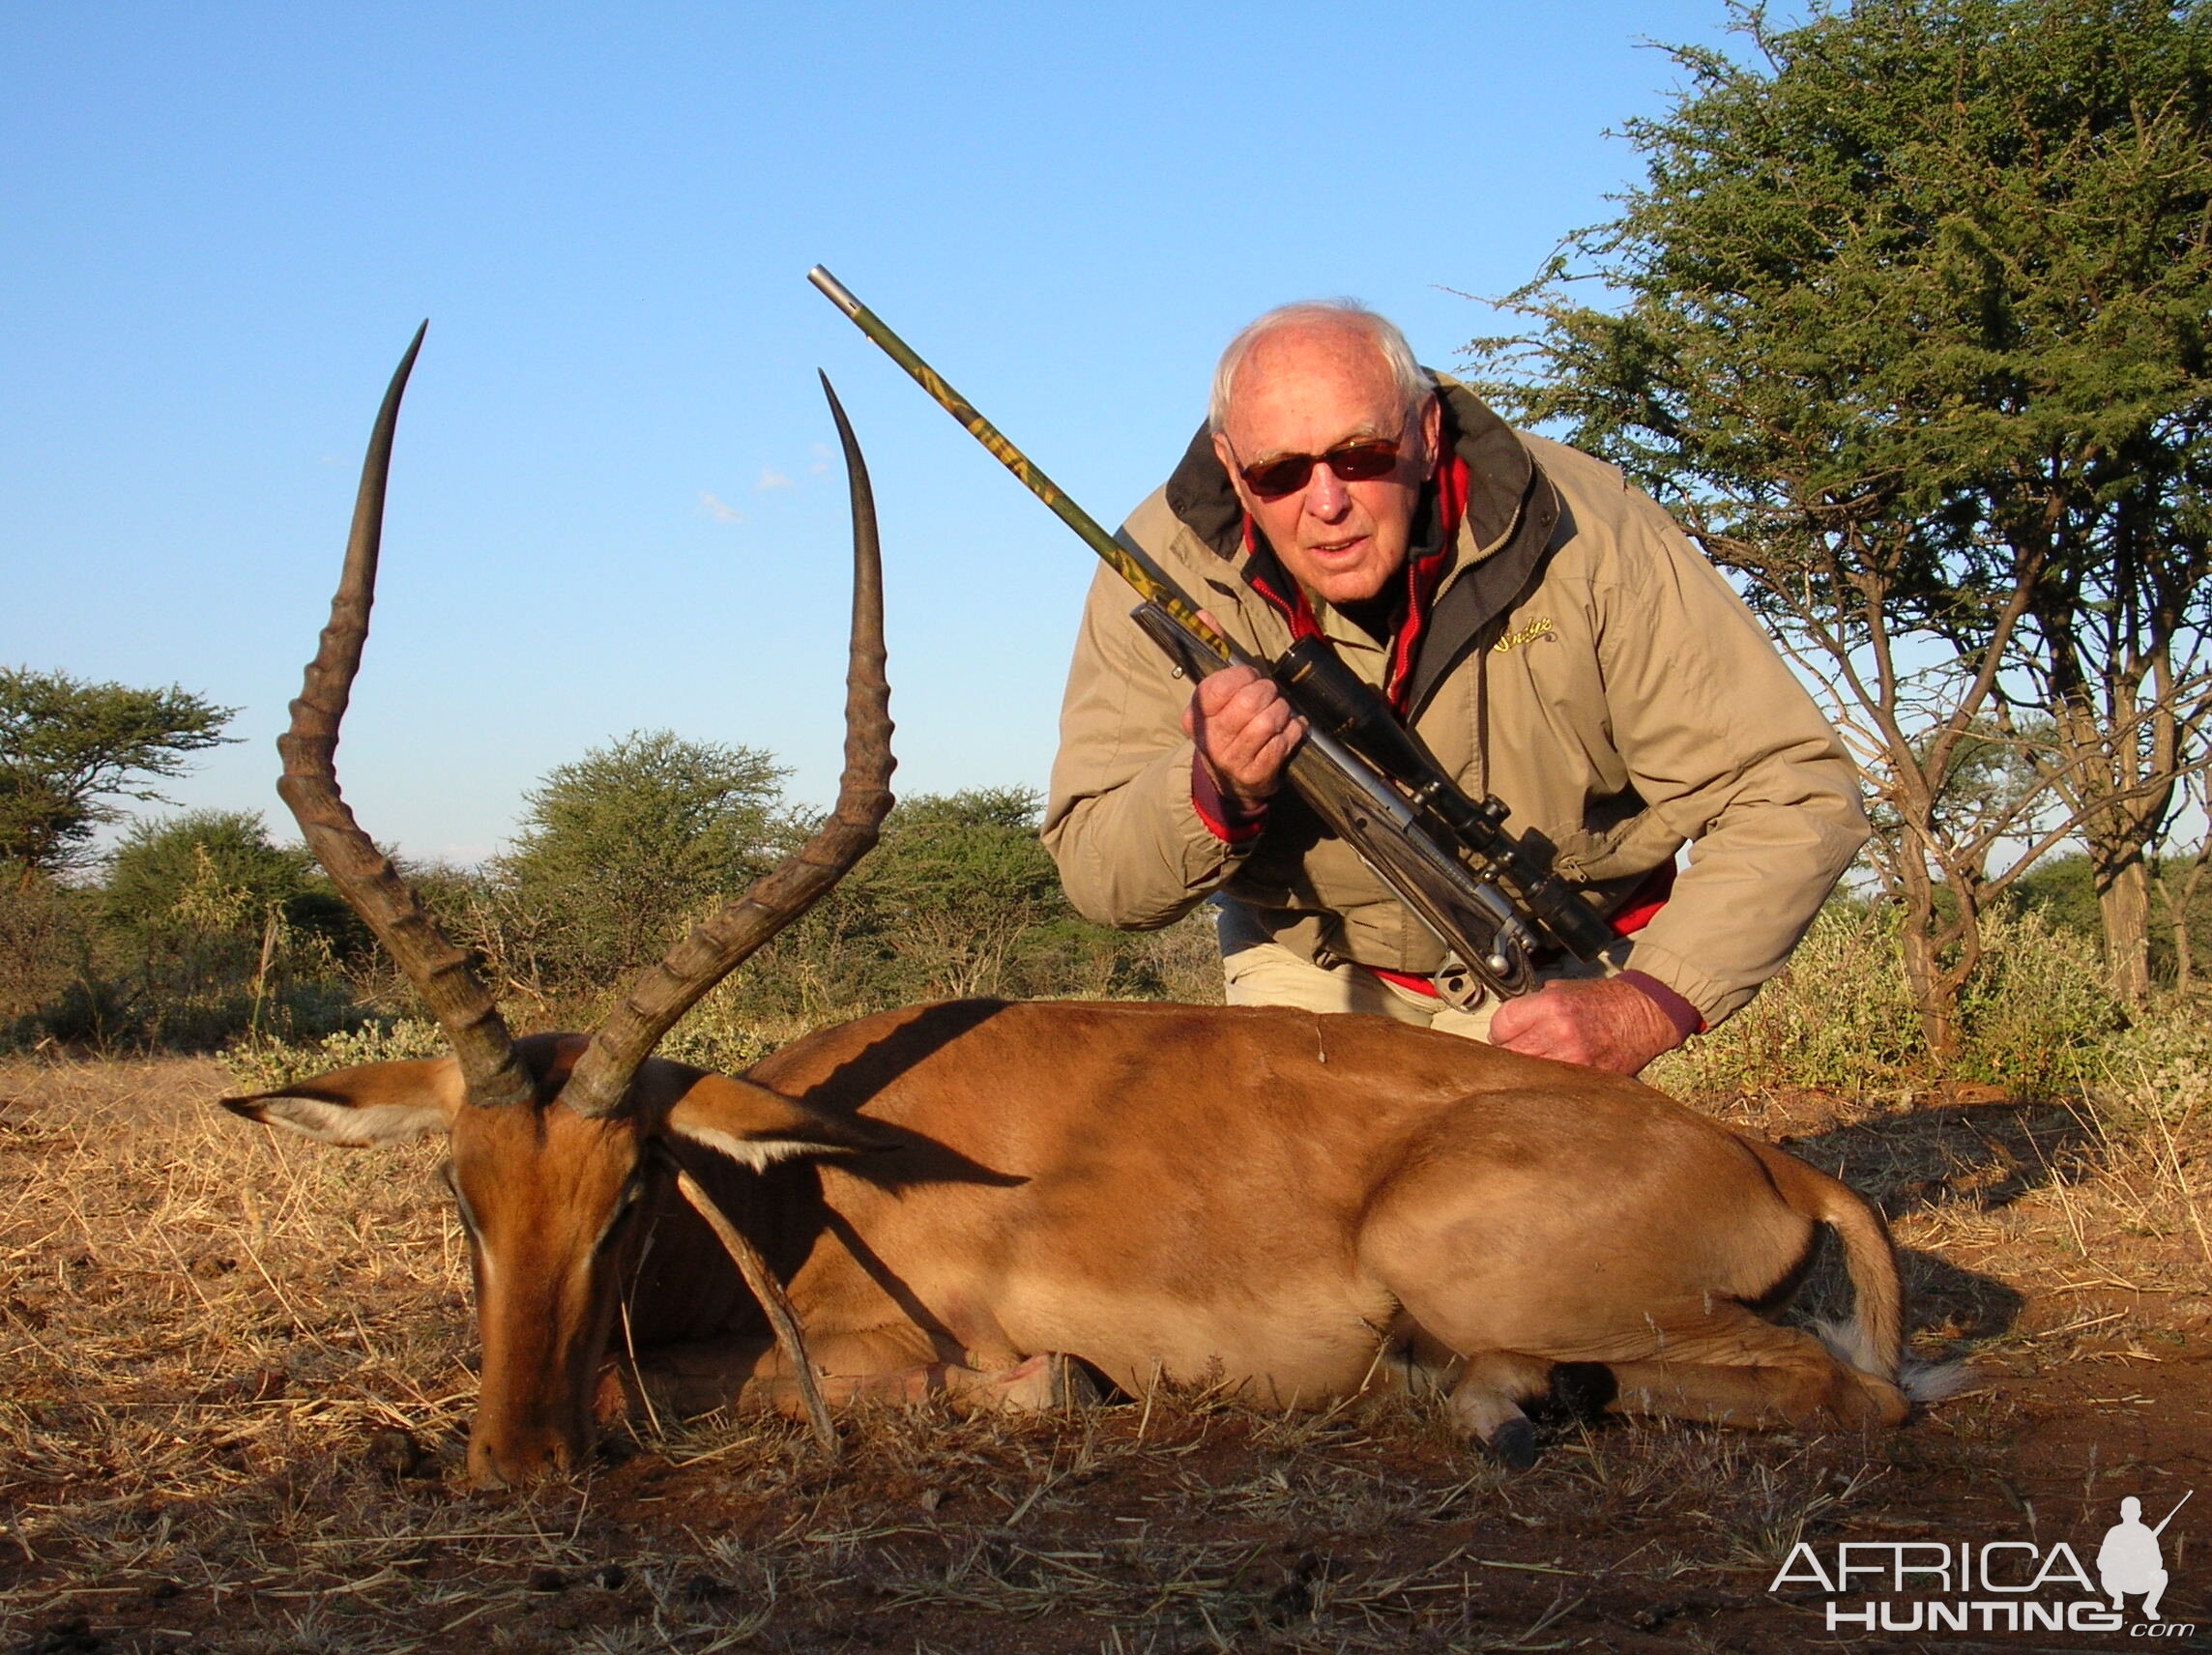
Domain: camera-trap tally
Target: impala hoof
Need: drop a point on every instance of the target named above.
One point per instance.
(1513, 1444)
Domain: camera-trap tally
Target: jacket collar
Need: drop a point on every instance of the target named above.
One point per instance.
(1513, 516)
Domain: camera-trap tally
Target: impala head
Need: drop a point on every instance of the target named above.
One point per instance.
(554, 1139)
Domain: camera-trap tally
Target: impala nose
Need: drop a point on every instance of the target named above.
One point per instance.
(495, 1464)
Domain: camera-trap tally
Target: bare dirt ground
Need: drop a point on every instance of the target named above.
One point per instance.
(237, 1378)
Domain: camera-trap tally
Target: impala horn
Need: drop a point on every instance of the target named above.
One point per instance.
(447, 984)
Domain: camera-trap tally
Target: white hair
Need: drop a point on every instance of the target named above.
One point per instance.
(1413, 382)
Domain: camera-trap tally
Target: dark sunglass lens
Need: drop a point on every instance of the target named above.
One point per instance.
(1354, 462)
(1275, 479)
(1363, 462)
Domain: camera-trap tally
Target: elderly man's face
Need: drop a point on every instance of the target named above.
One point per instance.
(1305, 390)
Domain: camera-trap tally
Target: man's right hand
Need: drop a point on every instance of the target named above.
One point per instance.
(1245, 733)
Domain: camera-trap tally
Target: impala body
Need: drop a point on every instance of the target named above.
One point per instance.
(1301, 1206)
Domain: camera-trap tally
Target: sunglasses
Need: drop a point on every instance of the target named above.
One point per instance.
(1360, 461)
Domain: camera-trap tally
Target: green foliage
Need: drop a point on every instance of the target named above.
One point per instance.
(958, 886)
(69, 747)
(1921, 246)
(216, 872)
(2159, 1071)
(267, 1064)
(48, 932)
(959, 898)
(2063, 892)
(623, 848)
(1842, 1016)
(202, 931)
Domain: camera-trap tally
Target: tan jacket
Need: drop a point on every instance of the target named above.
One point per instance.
(1633, 705)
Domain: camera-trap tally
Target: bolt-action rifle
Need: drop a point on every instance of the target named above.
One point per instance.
(1494, 905)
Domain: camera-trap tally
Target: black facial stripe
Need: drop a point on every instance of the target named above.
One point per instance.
(460, 1201)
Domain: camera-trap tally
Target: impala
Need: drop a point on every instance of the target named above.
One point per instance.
(962, 1197)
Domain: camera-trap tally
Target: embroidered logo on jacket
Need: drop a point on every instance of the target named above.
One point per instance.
(1540, 627)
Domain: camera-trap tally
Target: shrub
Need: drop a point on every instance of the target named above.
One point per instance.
(1840, 1016)
(264, 1064)
(2158, 1070)
(621, 848)
(46, 942)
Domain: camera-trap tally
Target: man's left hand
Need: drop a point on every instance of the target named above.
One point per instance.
(1610, 1025)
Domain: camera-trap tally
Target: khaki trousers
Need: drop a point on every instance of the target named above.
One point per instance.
(1256, 972)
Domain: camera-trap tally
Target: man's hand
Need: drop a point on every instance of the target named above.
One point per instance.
(1610, 1025)
(1245, 733)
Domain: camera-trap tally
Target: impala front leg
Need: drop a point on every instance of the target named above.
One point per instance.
(1486, 1404)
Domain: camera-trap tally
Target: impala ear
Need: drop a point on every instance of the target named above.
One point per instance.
(757, 1126)
(377, 1103)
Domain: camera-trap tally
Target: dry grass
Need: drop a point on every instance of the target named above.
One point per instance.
(237, 1380)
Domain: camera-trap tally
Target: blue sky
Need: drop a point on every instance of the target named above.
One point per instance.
(614, 504)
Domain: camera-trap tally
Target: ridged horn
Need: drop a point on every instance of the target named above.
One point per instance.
(364, 876)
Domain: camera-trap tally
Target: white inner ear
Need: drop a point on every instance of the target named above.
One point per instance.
(758, 1153)
(351, 1126)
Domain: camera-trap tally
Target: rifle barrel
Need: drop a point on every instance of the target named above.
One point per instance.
(1133, 565)
(2171, 1515)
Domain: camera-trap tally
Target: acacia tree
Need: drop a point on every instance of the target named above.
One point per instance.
(69, 747)
(1906, 323)
(621, 848)
(2178, 875)
(960, 879)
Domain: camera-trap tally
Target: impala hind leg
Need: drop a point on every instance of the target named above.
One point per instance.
(1486, 1404)
(1733, 1367)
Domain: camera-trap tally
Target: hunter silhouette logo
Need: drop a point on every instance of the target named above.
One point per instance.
(2129, 1560)
(1992, 1586)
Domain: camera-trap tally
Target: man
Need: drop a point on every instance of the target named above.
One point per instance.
(2129, 1560)
(1544, 629)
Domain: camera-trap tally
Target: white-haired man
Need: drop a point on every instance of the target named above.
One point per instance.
(1544, 628)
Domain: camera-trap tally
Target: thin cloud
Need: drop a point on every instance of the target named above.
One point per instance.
(821, 459)
(716, 509)
(771, 477)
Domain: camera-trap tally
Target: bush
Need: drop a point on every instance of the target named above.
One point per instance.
(206, 934)
(961, 899)
(2063, 889)
(1840, 1016)
(202, 931)
(48, 934)
(621, 849)
(2160, 1070)
(265, 1065)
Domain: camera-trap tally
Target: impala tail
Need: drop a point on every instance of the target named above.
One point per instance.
(1872, 1339)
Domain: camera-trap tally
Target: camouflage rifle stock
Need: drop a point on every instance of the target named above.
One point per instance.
(1449, 858)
